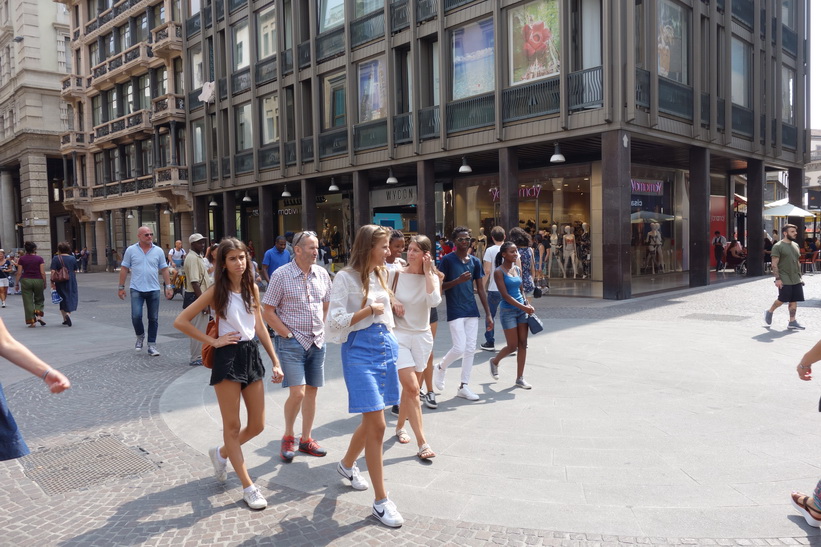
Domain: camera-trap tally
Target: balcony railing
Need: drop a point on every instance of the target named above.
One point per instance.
(194, 99)
(241, 81)
(367, 29)
(789, 39)
(453, 4)
(222, 88)
(244, 162)
(789, 136)
(743, 121)
(705, 109)
(207, 17)
(268, 157)
(123, 64)
(220, 6)
(675, 98)
(370, 135)
(403, 128)
(287, 61)
(585, 89)
(168, 106)
(226, 167)
(720, 115)
(193, 25)
(643, 87)
(529, 100)
(213, 166)
(73, 86)
(234, 5)
(330, 44)
(198, 172)
(306, 145)
(171, 176)
(304, 54)
(123, 126)
(425, 10)
(72, 140)
(333, 143)
(429, 122)
(266, 70)
(290, 153)
(744, 12)
(167, 39)
(400, 16)
(470, 113)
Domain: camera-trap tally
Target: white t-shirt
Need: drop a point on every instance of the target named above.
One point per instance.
(490, 256)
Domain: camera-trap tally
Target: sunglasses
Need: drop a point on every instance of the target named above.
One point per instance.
(300, 235)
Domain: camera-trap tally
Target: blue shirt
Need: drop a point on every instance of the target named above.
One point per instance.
(513, 284)
(274, 258)
(461, 302)
(144, 267)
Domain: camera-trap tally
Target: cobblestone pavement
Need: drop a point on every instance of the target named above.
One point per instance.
(118, 394)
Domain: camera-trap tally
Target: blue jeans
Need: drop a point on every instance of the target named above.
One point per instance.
(494, 298)
(300, 366)
(152, 300)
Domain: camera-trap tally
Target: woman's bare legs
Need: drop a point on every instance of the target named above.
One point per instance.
(409, 406)
(233, 434)
(427, 375)
(522, 330)
(368, 437)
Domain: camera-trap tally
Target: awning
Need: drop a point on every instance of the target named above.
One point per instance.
(739, 200)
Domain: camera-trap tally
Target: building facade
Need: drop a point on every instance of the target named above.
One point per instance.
(124, 151)
(625, 126)
(33, 59)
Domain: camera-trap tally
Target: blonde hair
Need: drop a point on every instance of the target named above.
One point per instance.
(366, 239)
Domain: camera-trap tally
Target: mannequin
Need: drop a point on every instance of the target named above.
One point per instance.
(569, 250)
(654, 241)
(584, 250)
(481, 243)
(554, 251)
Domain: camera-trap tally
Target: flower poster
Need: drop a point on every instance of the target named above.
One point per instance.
(535, 41)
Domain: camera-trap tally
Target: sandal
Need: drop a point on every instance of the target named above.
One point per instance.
(799, 501)
(425, 452)
(402, 436)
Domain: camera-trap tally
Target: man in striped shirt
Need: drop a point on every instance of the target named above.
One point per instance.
(296, 304)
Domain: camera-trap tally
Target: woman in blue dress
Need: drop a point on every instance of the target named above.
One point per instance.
(523, 242)
(66, 289)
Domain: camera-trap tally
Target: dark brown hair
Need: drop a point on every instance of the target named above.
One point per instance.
(222, 282)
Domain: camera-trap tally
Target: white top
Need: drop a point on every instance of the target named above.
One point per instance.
(237, 319)
(346, 299)
(412, 292)
(490, 256)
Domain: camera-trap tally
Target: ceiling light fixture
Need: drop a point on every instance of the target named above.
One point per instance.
(333, 187)
(167, 211)
(465, 168)
(130, 215)
(247, 198)
(391, 178)
(100, 219)
(213, 202)
(557, 156)
(285, 192)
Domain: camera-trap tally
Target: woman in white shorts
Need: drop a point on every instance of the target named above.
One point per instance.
(5, 273)
(416, 291)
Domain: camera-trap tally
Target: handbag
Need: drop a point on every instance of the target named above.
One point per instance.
(534, 323)
(212, 330)
(61, 274)
(537, 292)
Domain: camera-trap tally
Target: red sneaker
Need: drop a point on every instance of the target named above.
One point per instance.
(286, 451)
(312, 447)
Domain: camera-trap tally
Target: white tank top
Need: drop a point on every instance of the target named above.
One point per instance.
(237, 319)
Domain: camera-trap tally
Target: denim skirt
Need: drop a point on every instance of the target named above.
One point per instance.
(12, 444)
(369, 366)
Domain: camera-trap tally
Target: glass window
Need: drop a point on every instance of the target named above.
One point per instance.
(142, 28)
(674, 41)
(144, 91)
(147, 153)
(788, 13)
(110, 44)
(162, 81)
(125, 37)
(197, 75)
(198, 130)
(163, 150)
(270, 119)
(179, 80)
(331, 14)
(209, 45)
(242, 120)
(364, 7)
(472, 54)
(535, 41)
(193, 7)
(372, 90)
(92, 9)
(266, 33)
(159, 14)
(242, 56)
(112, 104)
(334, 109)
(93, 54)
(99, 175)
(640, 51)
(787, 95)
(96, 110)
(741, 54)
(288, 26)
(114, 163)
(128, 90)
(130, 160)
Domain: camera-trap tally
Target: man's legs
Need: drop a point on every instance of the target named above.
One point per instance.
(493, 300)
(457, 335)
(792, 307)
(137, 299)
(471, 326)
(152, 300)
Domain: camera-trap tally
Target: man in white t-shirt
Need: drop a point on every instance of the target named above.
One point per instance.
(494, 297)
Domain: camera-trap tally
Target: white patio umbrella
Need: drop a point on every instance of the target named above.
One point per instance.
(788, 210)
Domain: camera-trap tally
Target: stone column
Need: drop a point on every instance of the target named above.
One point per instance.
(123, 213)
(34, 191)
(139, 216)
(755, 219)
(200, 221)
(425, 205)
(266, 217)
(173, 132)
(616, 190)
(7, 234)
(178, 227)
(508, 189)
(795, 178)
(229, 214)
(109, 240)
(308, 190)
(699, 217)
(361, 201)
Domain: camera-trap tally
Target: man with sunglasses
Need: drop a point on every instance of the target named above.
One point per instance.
(144, 260)
(296, 304)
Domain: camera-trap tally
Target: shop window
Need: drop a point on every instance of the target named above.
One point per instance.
(331, 14)
(674, 41)
(740, 88)
(197, 76)
(198, 143)
(473, 59)
(269, 113)
(787, 95)
(266, 33)
(242, 121)
(535, 41)
(334, 109)
(372, 90)
(242, 55)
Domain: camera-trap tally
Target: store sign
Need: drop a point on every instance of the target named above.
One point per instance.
(288, 211)
(647, 187)
(525, 192)
(390, 197)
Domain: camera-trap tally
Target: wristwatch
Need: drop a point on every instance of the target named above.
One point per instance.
(289, 335)
(121, 287)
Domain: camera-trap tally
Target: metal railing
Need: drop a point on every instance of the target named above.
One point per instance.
(244, 162)
(234, 5)
(744, 12)
(226, 167)
(198, 172)
(268, 157)
(333, 143)
(471, 113)
(266, 70)
(368, 28)
(453, 4)
(194, 99)
(403, 128)
(400, 16)
(193, 25)
(743, 121)
(529, 100)
(675, 99)
(287, 61)
(789, 136)
(241, 81)
(290, 153)
(304, 54)
(425, 10)
(585, 89)
(306, 148)
(643, 87)
(372, 134)
(330, 44)
(429, 122)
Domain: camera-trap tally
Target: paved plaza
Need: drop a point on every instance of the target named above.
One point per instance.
(669, 419)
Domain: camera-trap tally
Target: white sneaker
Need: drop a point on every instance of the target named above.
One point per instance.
(138, 346)
(254, 498)
(220, 467)
(388, 514)
(439, 377)
(465, 393)
(357, 481)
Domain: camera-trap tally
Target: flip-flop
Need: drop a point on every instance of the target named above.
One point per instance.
(425, 452)
(402, 436)
(799, 501)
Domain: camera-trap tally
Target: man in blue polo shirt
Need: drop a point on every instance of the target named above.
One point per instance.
(275, 257)
(461, 271)
(144, 260)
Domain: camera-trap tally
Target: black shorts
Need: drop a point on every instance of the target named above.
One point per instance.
(239, 363)
(434, 316)
(791, 293)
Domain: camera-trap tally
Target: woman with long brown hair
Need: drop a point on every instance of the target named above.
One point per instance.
(238, 370)
(360, 318)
